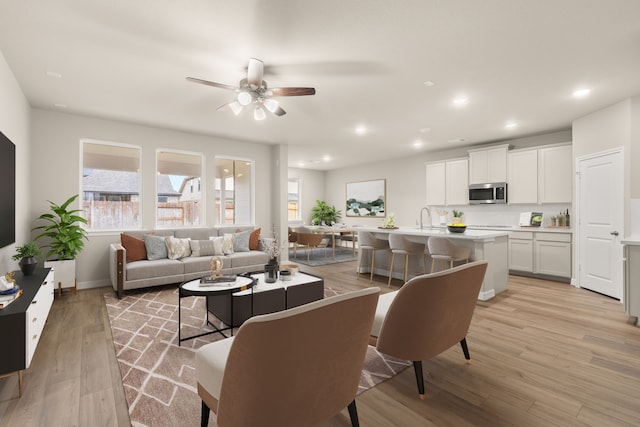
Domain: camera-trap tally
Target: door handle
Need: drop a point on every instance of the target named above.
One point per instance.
(614, 233)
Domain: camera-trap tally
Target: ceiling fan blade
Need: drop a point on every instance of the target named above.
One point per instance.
(255, 72)
(214, 84)
(292, 91)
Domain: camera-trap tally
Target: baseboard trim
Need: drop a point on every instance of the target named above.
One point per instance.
(486, 295)
(94, 284)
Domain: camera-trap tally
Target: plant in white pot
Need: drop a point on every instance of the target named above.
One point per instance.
(65, 240)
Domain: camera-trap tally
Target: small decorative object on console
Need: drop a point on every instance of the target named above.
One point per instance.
(390, 221)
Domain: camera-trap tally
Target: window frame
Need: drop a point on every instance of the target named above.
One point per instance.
(299, 216)
(219, 214)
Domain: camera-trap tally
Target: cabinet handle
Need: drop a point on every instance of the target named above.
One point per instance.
(614, 233)
(35, 336)
(34, 319)
(34, 302)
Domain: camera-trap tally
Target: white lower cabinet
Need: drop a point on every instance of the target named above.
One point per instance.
(540, 253)
(632, 280)
(36, 316)
(521, 251)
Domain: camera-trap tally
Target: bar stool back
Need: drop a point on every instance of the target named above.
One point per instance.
(441, 248)
(368, 242)
(400, 245)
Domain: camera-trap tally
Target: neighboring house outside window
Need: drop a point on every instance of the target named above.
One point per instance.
(110, 185)
(180, 200)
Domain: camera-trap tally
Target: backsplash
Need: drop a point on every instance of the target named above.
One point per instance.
(500, 214)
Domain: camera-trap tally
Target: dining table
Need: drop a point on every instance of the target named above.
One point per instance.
(334, 231)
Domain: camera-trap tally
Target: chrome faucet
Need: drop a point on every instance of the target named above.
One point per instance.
(426, 208)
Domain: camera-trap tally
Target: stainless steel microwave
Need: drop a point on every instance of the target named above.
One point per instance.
(490, 193)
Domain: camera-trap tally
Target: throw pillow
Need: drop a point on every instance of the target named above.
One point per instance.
(217, 244)
(156, 247)
(227, 244)
(254, 240)
(241, 241)
(203, 248)
(177, 248)
(134, 247)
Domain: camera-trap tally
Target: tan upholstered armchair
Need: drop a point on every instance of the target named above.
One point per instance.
(298, 367)
(428, 315)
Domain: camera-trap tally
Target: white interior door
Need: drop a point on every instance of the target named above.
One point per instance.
(601, 215)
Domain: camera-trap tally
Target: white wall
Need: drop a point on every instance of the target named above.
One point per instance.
(406, 186)
(14, 123)
(55, 170)
(312, 188)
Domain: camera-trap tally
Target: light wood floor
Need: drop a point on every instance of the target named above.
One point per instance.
(544, 354)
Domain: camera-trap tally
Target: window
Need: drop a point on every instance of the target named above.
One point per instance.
(293, 205)
(234, 191)
(178, 189)
(110, 185)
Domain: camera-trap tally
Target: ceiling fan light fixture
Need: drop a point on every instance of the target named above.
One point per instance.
(236, 107)
(259, 113)
(271, 104)
(245, 98)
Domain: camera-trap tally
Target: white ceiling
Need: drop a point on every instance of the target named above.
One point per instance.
(368, 60)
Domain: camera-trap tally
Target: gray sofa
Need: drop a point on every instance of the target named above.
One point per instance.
(145, 273)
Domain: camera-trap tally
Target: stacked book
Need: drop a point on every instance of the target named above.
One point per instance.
(218, 280)
(7, 297)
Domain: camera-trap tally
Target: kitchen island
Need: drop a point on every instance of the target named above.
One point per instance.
(490, 245)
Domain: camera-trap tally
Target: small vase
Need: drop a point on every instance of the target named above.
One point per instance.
(271, 271)
(457, 220)
(28, 265)
(443, 220)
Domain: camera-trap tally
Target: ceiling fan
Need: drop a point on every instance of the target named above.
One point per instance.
(252, 90)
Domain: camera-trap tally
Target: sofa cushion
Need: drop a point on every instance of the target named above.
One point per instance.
(156, 247)
(202, 264)
(217, 245)
(202, 248)
(140, 270)
(134, 246)
(177, 248)
(195, 233)
(241, 241)
(248, 259)
(254, 240)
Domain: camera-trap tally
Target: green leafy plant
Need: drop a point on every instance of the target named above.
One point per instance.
(457, 213)
(323, 213)
(27, 250)
(63, 229)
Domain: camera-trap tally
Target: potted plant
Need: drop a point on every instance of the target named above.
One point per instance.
(324, 214)
(26, 257)
(457, 216)
(65, 240)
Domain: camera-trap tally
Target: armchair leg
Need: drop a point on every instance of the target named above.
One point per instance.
(353, 414)
(465, 350)
(204, 418)
(417, 366)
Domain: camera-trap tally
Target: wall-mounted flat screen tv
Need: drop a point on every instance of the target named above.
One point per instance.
(7, 191)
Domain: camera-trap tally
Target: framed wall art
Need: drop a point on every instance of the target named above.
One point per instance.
(367, 198)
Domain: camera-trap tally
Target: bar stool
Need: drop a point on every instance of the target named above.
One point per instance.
(402, 246)
(368, 242)
(441, 248)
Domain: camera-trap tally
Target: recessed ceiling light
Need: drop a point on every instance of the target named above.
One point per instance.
(429, 83)
(425, 130)
(54, 74)
(456, 140)
(418, 143)
(326, 158)
(460, 101)
(581, 93)
(301, 164)
(511, 125)
(361, 130)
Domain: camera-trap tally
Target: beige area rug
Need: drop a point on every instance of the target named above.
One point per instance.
(159, 376)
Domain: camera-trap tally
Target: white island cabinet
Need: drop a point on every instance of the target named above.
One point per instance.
(484, 245)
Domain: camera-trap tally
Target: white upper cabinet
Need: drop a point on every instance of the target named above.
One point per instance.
(523, 176)
(436, 184)
(447, 182)
(488, 165)
(540, 175)
(555, 176)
